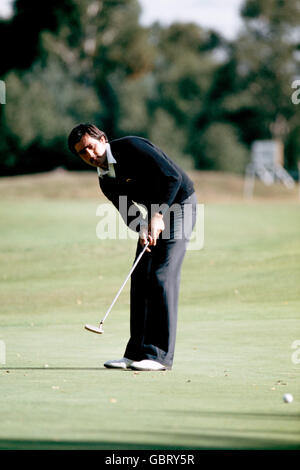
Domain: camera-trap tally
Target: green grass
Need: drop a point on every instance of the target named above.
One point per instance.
(238, 317)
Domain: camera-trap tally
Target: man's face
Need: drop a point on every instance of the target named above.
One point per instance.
(91, 150)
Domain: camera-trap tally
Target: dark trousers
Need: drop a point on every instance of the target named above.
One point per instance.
(155, 288)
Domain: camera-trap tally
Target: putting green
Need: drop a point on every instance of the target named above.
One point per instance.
(238, 319)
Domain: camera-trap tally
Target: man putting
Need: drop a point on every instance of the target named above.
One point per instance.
(135, 170)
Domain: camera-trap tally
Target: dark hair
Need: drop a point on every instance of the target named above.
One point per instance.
(79, 131)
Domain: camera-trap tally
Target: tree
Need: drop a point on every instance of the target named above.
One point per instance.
(196, 94)
(72, 64)
(267, 64)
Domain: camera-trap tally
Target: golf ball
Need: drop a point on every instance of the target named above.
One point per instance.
(288, 398)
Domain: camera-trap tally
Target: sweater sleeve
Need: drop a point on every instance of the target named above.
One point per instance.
(158, 168)
(129, 211)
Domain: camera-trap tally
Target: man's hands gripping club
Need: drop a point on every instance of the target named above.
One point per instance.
(152, 231)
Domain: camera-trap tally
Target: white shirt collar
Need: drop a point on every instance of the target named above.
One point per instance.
(110, 161)
(110, 158)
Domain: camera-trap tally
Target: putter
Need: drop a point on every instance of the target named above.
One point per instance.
(99, 329)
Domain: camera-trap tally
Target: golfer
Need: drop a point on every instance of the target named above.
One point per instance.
(133, 170)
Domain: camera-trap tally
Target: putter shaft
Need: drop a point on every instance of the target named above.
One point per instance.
(122, 286)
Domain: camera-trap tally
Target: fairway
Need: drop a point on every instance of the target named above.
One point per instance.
(238, 319)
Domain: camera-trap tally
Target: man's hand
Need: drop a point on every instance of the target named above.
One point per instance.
(152, 232)
(156, 226)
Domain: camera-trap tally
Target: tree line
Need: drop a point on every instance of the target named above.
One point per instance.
(202, 98)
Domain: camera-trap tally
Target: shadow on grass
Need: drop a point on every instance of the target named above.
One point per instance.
(114, 370)
(14, 444)
(232, 443)
(237, 414)
(53, 368)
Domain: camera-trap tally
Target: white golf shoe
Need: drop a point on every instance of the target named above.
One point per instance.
(147, 364)
(123, 363)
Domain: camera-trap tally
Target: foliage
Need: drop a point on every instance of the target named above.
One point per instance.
(181, 85)
(221, 149)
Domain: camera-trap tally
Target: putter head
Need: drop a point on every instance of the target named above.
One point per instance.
(95, 329)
